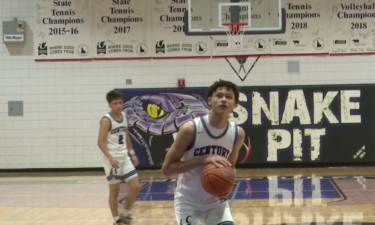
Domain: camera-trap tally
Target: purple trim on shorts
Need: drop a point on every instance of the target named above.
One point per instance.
(124, 177)
(118, 177)
(110, 176)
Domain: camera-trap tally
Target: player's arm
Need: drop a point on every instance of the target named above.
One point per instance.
(129, 146)
(239, 142)
(173, 165)
(103, 130)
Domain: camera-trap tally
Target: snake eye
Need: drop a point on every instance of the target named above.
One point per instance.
(155, 111)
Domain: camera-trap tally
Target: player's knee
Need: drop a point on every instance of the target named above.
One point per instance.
(226, 223)
(138, 188)
(135, 188)
(114, 193)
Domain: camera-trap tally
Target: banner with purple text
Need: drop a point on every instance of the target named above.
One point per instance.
(285, 125)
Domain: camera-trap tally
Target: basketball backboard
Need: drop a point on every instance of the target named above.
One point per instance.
(206, 17)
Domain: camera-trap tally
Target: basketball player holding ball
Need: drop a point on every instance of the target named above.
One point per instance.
(208, 139)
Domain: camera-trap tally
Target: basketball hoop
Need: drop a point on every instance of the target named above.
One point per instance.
(235, 34)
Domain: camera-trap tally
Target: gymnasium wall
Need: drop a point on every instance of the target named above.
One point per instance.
(64, 101)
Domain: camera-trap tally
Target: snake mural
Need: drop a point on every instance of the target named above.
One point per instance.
(154, 119)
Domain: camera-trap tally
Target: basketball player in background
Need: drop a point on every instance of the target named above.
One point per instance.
(192, 202)
(115, 143)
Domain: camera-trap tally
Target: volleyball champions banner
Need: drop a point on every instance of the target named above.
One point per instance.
(306, 31)
(122, 29)
(63, 30)
(352, 27)
(318, 125)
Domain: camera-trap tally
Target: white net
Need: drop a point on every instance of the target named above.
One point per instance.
(235, 39)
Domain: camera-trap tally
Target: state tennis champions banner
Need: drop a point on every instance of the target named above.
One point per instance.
(169, 38)
(319, 125)
(122, 29)
(63, 30)
(306, 31)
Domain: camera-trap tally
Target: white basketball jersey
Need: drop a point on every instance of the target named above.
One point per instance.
(116, 137)
(189, 187)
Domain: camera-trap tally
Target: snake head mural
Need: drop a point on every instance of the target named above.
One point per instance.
(154, 118)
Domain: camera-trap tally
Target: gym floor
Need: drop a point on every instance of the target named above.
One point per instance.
(263, 196)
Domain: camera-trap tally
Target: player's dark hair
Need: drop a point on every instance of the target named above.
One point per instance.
(113, 95)
(228, 85)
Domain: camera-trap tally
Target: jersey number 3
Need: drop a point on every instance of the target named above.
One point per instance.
(121, 139)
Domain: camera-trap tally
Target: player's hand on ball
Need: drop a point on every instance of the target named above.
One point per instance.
(114, 163)
(218, 161)
(135, 160)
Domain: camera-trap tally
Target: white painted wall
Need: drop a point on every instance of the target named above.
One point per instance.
(64, 101)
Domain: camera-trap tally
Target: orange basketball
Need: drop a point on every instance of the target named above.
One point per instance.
(218, 181)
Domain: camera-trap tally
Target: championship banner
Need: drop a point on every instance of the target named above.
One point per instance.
(62, 30)
(318, 125)
(168, 32)
(352, 27)
(306, 31)
(252, 44)
(121, 29)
